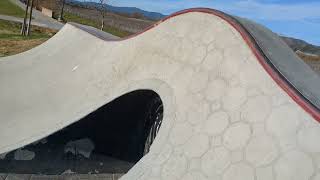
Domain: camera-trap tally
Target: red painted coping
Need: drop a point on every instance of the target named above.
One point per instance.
(275, 75)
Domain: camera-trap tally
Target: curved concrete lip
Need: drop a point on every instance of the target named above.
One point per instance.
(233, 108)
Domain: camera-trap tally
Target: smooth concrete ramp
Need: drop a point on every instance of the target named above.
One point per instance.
(238, 104)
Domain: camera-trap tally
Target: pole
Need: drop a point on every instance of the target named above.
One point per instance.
(23, 28)
(30, 17)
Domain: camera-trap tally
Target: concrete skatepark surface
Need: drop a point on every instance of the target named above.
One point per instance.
(238, 104)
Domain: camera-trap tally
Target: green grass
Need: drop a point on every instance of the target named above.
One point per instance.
(10, 9)
(11, 30)
(77, 19)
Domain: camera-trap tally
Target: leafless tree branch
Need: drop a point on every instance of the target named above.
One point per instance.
(102, 10)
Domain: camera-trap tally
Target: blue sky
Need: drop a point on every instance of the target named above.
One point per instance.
(294, 18)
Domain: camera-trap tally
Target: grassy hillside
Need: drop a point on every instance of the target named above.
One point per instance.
(312, 60)
(10, 9)
(69, 17)
(117, 21)
(11, 42)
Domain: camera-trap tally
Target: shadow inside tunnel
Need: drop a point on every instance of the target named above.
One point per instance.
(109, 140)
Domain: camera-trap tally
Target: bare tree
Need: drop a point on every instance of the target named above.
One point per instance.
(63, 2)
(24, 24)
(102, 10)
(30, 18)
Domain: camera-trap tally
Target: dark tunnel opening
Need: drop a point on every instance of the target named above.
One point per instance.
(109, 140)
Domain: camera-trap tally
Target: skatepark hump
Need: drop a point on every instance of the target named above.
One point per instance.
(237, 102)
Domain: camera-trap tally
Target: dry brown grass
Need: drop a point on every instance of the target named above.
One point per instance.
(312, 60)
(11, 42)
(307, 57)
(11, 47)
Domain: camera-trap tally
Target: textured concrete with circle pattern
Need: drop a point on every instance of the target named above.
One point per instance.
(225, 117)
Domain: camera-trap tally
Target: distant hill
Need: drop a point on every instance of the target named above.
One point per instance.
(302, 46)
(121, 10)
(295, 44)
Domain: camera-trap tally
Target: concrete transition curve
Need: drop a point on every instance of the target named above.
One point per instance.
(238, 103)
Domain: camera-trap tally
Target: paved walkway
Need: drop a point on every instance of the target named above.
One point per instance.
(33, 22)
(39, 18)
